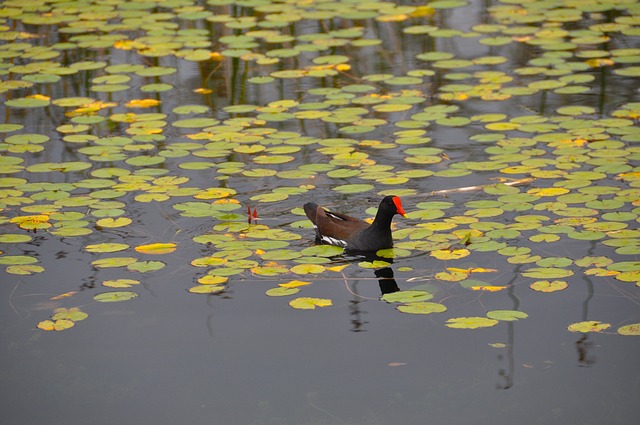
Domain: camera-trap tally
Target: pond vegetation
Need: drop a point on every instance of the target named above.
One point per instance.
(155, 157)
(512, 137)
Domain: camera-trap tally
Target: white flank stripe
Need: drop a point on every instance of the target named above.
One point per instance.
(333, 241)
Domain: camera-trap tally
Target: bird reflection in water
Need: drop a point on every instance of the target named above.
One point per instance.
(387, 285)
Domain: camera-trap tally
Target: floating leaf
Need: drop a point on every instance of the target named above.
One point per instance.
(120, 283)
(447, 254)
(353, 188)
(106, 247)
(58, 325)
(488, 288)
(27, 269)
(589, 326)
(269, 270)
(471, 322)
(549, 286)
(212, 279)
(206, 289)
(282, 292)
(632, 329)
(73, 314)
(146, 266)
(110, 297)
(307, 269)
(407, 296)
(507, 315)
(114, 222)
(294, 284)
(547, 272)
(32, 222)
(307, 303)
(157, 248)
(421, 308)
(17, 260)
(35, 101)
(113, 262)
(322, 251)
(195, 123)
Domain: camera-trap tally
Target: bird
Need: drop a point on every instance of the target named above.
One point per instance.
(352, 233)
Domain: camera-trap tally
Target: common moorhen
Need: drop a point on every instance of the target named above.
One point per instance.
(352, 233)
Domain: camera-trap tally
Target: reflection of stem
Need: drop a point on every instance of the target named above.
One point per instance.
(396, 46)
(603, 88)
(213, 71)
(234, 73)
(583, 344)
(326, 412)
(543, 101)
(628, 296)
(585, 304)
(508, 375)
(346, 285)
(210, 317)
(11, 297)
(471, 188)
(354, 311)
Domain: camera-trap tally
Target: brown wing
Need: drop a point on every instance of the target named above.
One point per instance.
(338, 226)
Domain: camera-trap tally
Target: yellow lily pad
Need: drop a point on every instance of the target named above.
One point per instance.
(307, 303)
(470, 322)
(589, 326)
(156, 248)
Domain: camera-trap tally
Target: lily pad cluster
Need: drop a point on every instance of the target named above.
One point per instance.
(63, 319)
(290, 105)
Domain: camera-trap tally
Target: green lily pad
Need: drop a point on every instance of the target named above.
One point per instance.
(421, 308)
(407, 296)
(74, 314)
(507, 315)
(547, 272)
(281, 292)
(206, 289)
(470, 322)
(353, 188)
(549, 286)
(17, 260)
(28, 102)
(322, 251)
(117, 296)
(112, 262)
(146, 266)
(106, 247)
(14, 238)
(26, 269)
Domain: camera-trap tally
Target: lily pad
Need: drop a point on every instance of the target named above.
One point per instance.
(549, 286)
(308, 303)
(507, 315)
(632, 329)
(589, 326)
(281, 292)
(117, 296)
(471, 322)
(407, 296)
(421, 308)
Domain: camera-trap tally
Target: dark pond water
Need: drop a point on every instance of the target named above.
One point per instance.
(380, 98)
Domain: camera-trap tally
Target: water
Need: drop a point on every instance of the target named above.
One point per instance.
(244, 359)
(241, 357)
